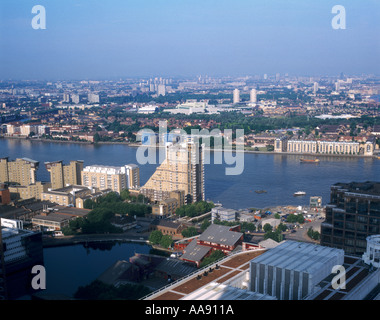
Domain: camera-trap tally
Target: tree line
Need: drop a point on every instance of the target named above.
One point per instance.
(104, 209)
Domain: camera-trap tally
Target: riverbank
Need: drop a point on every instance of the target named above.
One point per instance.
(137, 145)
(49, 242)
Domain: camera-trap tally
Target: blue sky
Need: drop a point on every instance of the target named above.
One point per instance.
(93, 39)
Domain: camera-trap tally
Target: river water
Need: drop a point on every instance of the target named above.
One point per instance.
(279, 175)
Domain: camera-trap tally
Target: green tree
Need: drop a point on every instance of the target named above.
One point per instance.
(125, 195)
(155, 237)
(214, 256)
(315, 235)
(67, 231)
(282, 227)
(274, 235)
(293, 218)
(247, 226)
(205, 224)
(166, 241)
(267, 227)
(89, 204)
(189, 232)
(96, 137)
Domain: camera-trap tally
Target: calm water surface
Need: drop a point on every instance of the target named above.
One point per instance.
(280, 175)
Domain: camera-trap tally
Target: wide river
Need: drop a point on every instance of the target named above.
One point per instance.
(279, 175)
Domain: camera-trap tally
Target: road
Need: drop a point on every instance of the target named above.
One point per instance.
(301, 234)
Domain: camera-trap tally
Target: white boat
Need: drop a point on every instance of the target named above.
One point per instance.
(299, 193)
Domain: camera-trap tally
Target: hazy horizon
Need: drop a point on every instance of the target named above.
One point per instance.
(109, 40)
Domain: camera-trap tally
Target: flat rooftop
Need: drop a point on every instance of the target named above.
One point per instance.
(229, 267)
(300, 256)
(356, 272)
(368, 187)
(8, 233)
(218, 291)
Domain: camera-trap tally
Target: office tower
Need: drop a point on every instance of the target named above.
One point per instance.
(109, 177)
(161, 90)
(63, 175)
(22, 171)
(253, 96)
(352, 215)
(133, 176)
(236, 96)
(337, 86)
(183, 170)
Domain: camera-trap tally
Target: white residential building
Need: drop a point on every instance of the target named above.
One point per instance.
(236, 96)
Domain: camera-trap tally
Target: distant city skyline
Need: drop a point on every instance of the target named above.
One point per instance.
(120, 39)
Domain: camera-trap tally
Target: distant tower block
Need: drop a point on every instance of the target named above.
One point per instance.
(315, 89)
(236, 96)
(253, 96)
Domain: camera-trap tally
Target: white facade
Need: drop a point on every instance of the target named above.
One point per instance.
(316, 87)
(130, 175)
(133, 176)
(75, 98)
(147, 109)
(372, 255)
(92, 98)
(253, 96)
(223, 214)
(292, 270)
(236, 96)
(193, 106)
(12, 223)
(323, 147)
(14, 242)
(161, 90)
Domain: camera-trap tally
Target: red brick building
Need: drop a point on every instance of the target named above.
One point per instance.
(5, 195)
